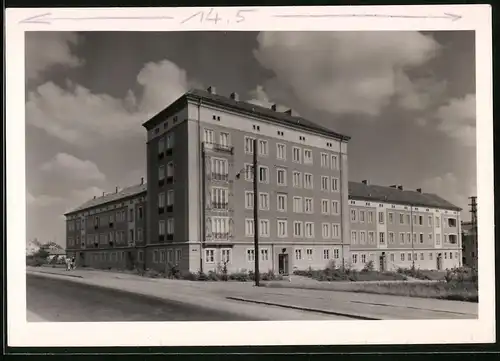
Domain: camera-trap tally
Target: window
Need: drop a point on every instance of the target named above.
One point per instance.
(421, 256)
(308, 181)
(324, 160)
(281, 151)
(161, 145)
(326, 254)
(250, 255)
(170, 226)
(325, 206)
(161, 172)
(391, 237)
(281, 202)
(335, 207)
(296, 155)
(414, 219)
(452, 238)
(381, 237)
(324, 183)
(354, 258)
(452, 222)
(402, 238)
(139, 234)
(170, 169)
(392, 257)
(264, 201)
(430, 256)
(219, 197)
(248, 172)
(354, 215)
(309, 253)
(263, 174)
(308, 156)
(297, 179)
(370, 217)
(414, 238)
(325, 230)
(162, 256)
(361, 216)
(371, 237)
(401, 218)
(297, 229)
(445, 238)
(402, 256)
(421, 237)
(391, 218)
(219, 169)
(335, 184)
(225, 255)
(297, 205)
(430, 237)
(354, 237)
(334, 162)
(249, 145)
(409, 256)
(381, 217)
(208, 136)
(249, 227)
(264, 228)
(363, 258)
(309, 229)
(210, 256)
(220, 227)
(131, 235)
(421, 220)
(362, 237)
(281, 176)
(161, 228)
(438, 223)
(248, 199)
(263, 148)
(407, 219)
(429, 221)
(224, 139)
(264, 254)
(298, 254)
(282, 228)
(309, 205)
(131, 218)
(336, 253)
(178, 255)
(155, 256)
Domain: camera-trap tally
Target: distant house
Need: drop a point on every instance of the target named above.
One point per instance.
(469, 244)
(32, 247)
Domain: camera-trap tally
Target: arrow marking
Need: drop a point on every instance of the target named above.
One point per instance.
(46, 19)
(452, 17)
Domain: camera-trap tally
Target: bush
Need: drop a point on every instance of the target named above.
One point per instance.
(189, 276)
(239, 276)
(34, 261)
(213, 276)
(202, 276)
(151, 273)
(369, 267)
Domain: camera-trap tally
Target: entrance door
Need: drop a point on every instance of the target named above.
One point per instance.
(382, 263)
(82, 260)
(439, 261)
(283, 264)
(129, 261)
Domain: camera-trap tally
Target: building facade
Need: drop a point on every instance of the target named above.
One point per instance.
(198, 203)
(110, 230)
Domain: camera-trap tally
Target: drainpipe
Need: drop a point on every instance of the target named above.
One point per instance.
(341, 203)
(201, 157)
(412, 238)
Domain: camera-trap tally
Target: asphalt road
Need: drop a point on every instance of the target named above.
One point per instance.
(56, 300)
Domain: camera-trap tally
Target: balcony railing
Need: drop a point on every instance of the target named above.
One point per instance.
(220, 205)
(161, 210)
(161, 155)
(161, 238)
(170, 180)
(169, 151)
(223, 148)
(170, 237)
(170, 208)
(220, 236)
(161, 182)
(220, 176)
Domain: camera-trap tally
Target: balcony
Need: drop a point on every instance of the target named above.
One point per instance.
(223, 148)
(161, 210)
(110, 243)
(170, 237)
(170, 208)
(223, 177)
(96, 244)
(220, 205)
(111, 224)
(220, 236)
(170, 180)
(96, 226)
(161, 238)
(161, 182)
(161, 155)
(169, 151)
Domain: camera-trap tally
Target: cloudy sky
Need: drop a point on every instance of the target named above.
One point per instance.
(406, 98)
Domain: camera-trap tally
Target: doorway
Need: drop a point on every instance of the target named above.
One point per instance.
(283, 264)
(81, 262)
(382, 263)
(129, 263)
(439, 262)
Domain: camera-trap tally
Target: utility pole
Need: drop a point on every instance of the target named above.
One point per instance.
(473, 211)
(256, 213)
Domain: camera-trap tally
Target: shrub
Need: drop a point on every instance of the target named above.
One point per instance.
(239, 276)
(213, 276)
(369, 267)
(202, 276)
(188, 276)
(34, 261)
(151, 273)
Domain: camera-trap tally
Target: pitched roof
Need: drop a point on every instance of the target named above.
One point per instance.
(112, 197)
(252, 109)
(393, 195)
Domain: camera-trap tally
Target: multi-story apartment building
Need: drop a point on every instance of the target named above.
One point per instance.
(197, 208)
(200, 188)
(469, 244)
(110, 230)
(397, 228)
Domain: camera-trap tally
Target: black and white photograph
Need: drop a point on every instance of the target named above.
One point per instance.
(305, 174)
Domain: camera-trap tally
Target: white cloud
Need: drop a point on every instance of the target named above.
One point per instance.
(452, 189)
(457, 119)
(80, 117)
(42, 200)
(259, 97)
(68, 166)
(47, 49)
(348, 72)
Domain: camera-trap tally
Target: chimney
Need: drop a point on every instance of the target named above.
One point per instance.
(393, 186)
(235, 96)
(142, 181)
(365, 181)
(116, 190)
(94, 197)
(273, 107)
(419, 190)
(400, 187)
(211, 89)
(103, 194)
(289, 112)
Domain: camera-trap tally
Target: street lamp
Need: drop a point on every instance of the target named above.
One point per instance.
(255, 212)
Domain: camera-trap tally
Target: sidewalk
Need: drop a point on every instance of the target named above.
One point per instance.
(244, 298)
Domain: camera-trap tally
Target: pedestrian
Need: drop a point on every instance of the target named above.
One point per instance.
(73, 263)
(68, 264)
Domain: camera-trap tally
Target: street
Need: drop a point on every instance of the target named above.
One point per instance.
(56, 300)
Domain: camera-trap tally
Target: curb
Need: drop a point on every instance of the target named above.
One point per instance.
(317, 310)
(55, 274)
